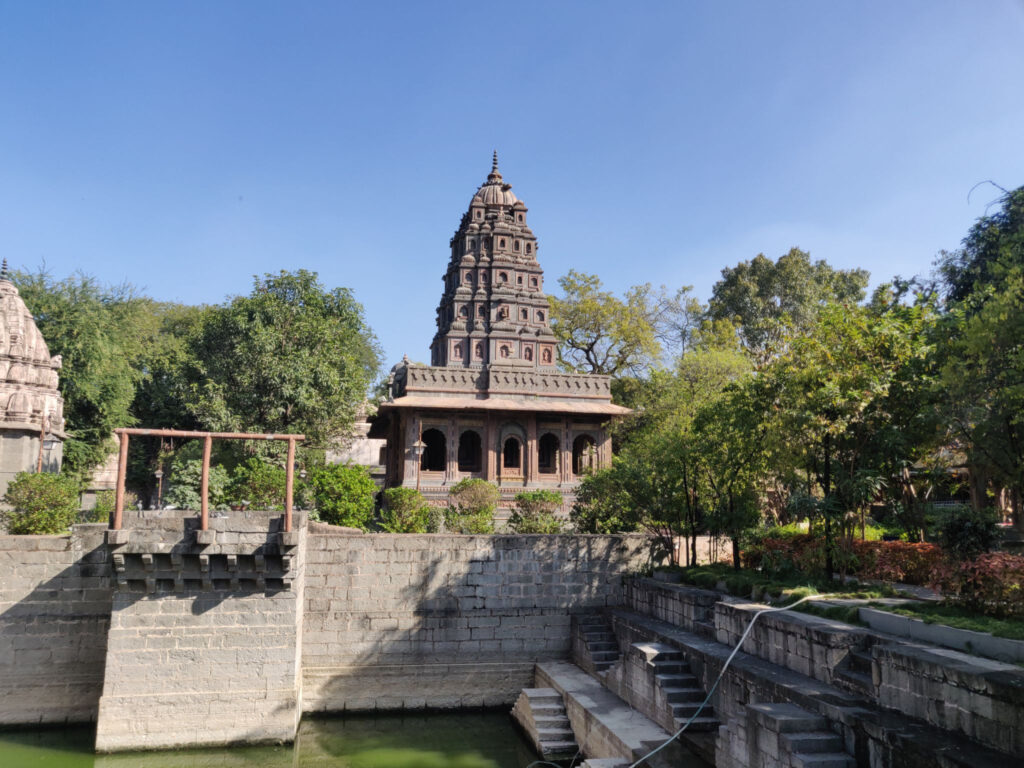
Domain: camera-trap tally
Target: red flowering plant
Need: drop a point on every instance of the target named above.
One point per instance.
(992, 583)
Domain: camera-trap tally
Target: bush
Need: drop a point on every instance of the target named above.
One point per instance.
(535, 512)
(471, 505)
(43, 503)
(185, 483)
(343, 494)
(405, 511)
(965, 534)
(105, 505)
(992, 584)
(902, 561)
(599, 505)
(257, 485)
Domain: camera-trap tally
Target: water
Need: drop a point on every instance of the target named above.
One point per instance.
(464, 740)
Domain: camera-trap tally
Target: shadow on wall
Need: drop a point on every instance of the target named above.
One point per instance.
(399, 621)
(55, 599)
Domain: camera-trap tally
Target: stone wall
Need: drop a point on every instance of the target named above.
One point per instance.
(54, 612)
(205, 633)
(403, 621)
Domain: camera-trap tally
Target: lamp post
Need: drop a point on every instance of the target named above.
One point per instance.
(417, 448)
(159, 475)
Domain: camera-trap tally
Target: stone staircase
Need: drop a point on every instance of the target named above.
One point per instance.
(599, 641)
(855, 673)
(794, 736)
(682, 691)
(540, 712)
(816, 749)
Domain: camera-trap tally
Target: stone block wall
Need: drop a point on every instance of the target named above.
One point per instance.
(204, 638)
(438, 621)
(54, 613)
(980, 698)
(687, 607)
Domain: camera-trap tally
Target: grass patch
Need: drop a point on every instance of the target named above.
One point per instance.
(954, 616)
(757, 586)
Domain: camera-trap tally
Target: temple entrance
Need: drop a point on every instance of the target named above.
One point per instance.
(433, 458)
(470, 452)
(547, 455)
(584, 455)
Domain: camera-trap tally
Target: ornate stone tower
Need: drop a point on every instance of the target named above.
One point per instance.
(492, 405)
(493, 309)
(31, 408)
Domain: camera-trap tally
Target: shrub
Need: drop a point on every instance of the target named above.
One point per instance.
(183, 491)
(405, 511)
(43, 503)
(105, 505)
(992, 583)
(600, 504)
(343, 494)
(258, 485)
(902, 561)
(965, 534)
(535, 512)
(471, 505)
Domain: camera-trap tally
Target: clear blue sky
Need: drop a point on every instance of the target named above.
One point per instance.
(185, 146)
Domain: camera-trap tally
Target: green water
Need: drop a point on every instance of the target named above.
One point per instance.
(465, 740)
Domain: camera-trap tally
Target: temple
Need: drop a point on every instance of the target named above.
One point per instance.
(493, 404)
(31, 408)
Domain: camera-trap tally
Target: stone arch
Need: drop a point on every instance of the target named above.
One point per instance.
(436, 452)
(584, 454)
(512, 453)
(470, 451)
(547, 454)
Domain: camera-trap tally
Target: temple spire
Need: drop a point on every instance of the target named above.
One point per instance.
(4, 275)
(495, 174)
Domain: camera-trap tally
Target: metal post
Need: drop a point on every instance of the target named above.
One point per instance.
(122, 467)
(289, 485)
(204, 524)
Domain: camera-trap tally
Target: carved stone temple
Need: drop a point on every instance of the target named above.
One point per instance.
(31, 408)
(492, 403)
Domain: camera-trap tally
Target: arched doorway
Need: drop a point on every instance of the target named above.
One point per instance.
(511, 455)
(434, 455)
(470, 451)
(584, 455)
(547, 454)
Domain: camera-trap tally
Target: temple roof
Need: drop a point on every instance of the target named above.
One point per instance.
(495, 191)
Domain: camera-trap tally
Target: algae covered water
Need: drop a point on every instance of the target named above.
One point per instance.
(462, 740)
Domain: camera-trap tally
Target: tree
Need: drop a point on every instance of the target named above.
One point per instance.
(769, 301)
(599, 333)
(102, 333)
(405, 511)
(290, 357)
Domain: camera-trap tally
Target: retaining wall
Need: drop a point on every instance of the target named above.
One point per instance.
(54, 613)
(442, 621)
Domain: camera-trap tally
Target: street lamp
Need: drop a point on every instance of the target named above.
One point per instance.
(418, 448)
(159, 475)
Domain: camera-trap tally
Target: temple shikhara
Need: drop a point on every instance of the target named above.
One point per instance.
(492, 403)
(31, 408)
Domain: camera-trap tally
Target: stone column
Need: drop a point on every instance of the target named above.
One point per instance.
(409, 458)
(566, 452)
(530, 450)
(604, 450)
(488, 448)
(452, 465)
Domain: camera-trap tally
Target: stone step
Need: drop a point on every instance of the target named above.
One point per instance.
(604, 656)
(861, 682)
(670, 667)
(599, 637)
(823, 760)
(679, 695)
(603, 645)
(668, 656)
(812, 742)
(550, 721)
(859, 661)
(685, 710)
(549, 748)
(548, 735)
(701, 724)
(677, 681)
(603, 666)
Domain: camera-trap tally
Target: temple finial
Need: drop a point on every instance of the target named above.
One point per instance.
(494, 162)
(4, 275)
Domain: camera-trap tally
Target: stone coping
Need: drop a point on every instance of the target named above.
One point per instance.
(975, 643)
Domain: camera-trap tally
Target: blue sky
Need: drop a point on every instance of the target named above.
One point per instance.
(186, 146)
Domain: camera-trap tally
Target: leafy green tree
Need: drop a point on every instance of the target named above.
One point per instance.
(770, 301)
(42, 503)
(290, 357)
(102, 334)
(184, 485)
(601, 505)
(405, 511)
(535, 512)
(471, 506)
(344, 494)
(600, 333)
